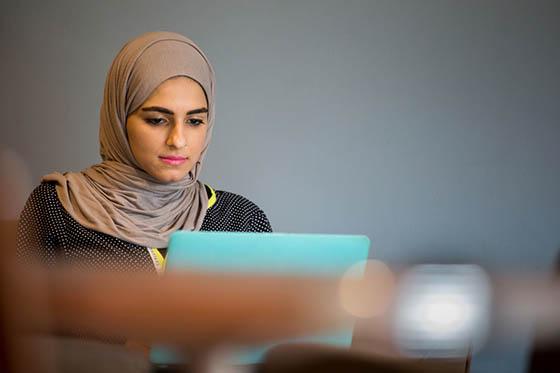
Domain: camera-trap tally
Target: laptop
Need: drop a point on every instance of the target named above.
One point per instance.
(268, 253)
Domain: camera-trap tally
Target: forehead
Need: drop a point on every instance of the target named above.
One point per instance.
(179, 92)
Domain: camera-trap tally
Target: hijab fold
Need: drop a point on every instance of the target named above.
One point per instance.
(116, 196)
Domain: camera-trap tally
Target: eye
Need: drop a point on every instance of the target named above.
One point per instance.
(194, 122)
(156, 121)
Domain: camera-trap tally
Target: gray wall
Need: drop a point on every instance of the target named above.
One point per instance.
(431, 126)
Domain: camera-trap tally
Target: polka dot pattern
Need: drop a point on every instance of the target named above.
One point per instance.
(47, 232)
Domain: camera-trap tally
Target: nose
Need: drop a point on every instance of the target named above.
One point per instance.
(176, 137)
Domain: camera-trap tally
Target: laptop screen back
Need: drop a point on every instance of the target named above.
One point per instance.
(268, 253)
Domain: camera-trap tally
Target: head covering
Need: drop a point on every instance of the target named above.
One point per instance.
(117, 197)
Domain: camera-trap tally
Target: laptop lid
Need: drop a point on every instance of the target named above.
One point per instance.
(268, 253)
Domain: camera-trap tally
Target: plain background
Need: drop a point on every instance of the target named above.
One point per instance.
(430, 126)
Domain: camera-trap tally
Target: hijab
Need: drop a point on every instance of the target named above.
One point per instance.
(116, 196)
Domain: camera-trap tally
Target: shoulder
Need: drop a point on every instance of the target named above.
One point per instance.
(43, 197)
(37, 225)
(45, 189)
(234, 212)
(42, 211)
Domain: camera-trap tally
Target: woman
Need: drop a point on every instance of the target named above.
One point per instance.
(156, 123)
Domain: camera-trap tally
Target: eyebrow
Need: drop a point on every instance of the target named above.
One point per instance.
(169, 112)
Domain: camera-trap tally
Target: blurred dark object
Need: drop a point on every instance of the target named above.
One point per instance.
(7, 237)
(546, 358)
(306, 358)
(58, 354)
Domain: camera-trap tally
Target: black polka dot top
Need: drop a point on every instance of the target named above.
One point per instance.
(47, 232)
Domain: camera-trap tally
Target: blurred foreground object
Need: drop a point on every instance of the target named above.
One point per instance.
(306, 358)
(200, 312)
(442, 310)
(546, 357)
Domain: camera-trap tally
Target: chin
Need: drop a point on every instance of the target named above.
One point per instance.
(170, 178)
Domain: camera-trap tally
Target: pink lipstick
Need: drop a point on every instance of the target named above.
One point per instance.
(173, 160)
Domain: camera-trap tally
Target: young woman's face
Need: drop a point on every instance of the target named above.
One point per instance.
(167, 132)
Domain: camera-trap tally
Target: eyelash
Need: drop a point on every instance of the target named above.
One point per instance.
(193, 122)
(155, 121)
(198, 122)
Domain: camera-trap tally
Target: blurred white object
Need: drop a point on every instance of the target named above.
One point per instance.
(442, 311)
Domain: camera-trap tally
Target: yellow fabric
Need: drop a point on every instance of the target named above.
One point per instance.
(212, 199)
(160, 259)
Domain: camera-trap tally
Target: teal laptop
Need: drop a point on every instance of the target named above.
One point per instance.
(270, 253)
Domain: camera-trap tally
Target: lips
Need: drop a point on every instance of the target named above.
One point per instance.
(173, 159)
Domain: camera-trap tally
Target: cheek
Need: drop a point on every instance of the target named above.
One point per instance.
(139, 139)
(134, 141)
(202, 140)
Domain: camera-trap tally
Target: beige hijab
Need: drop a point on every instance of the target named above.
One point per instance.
(117, 197)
